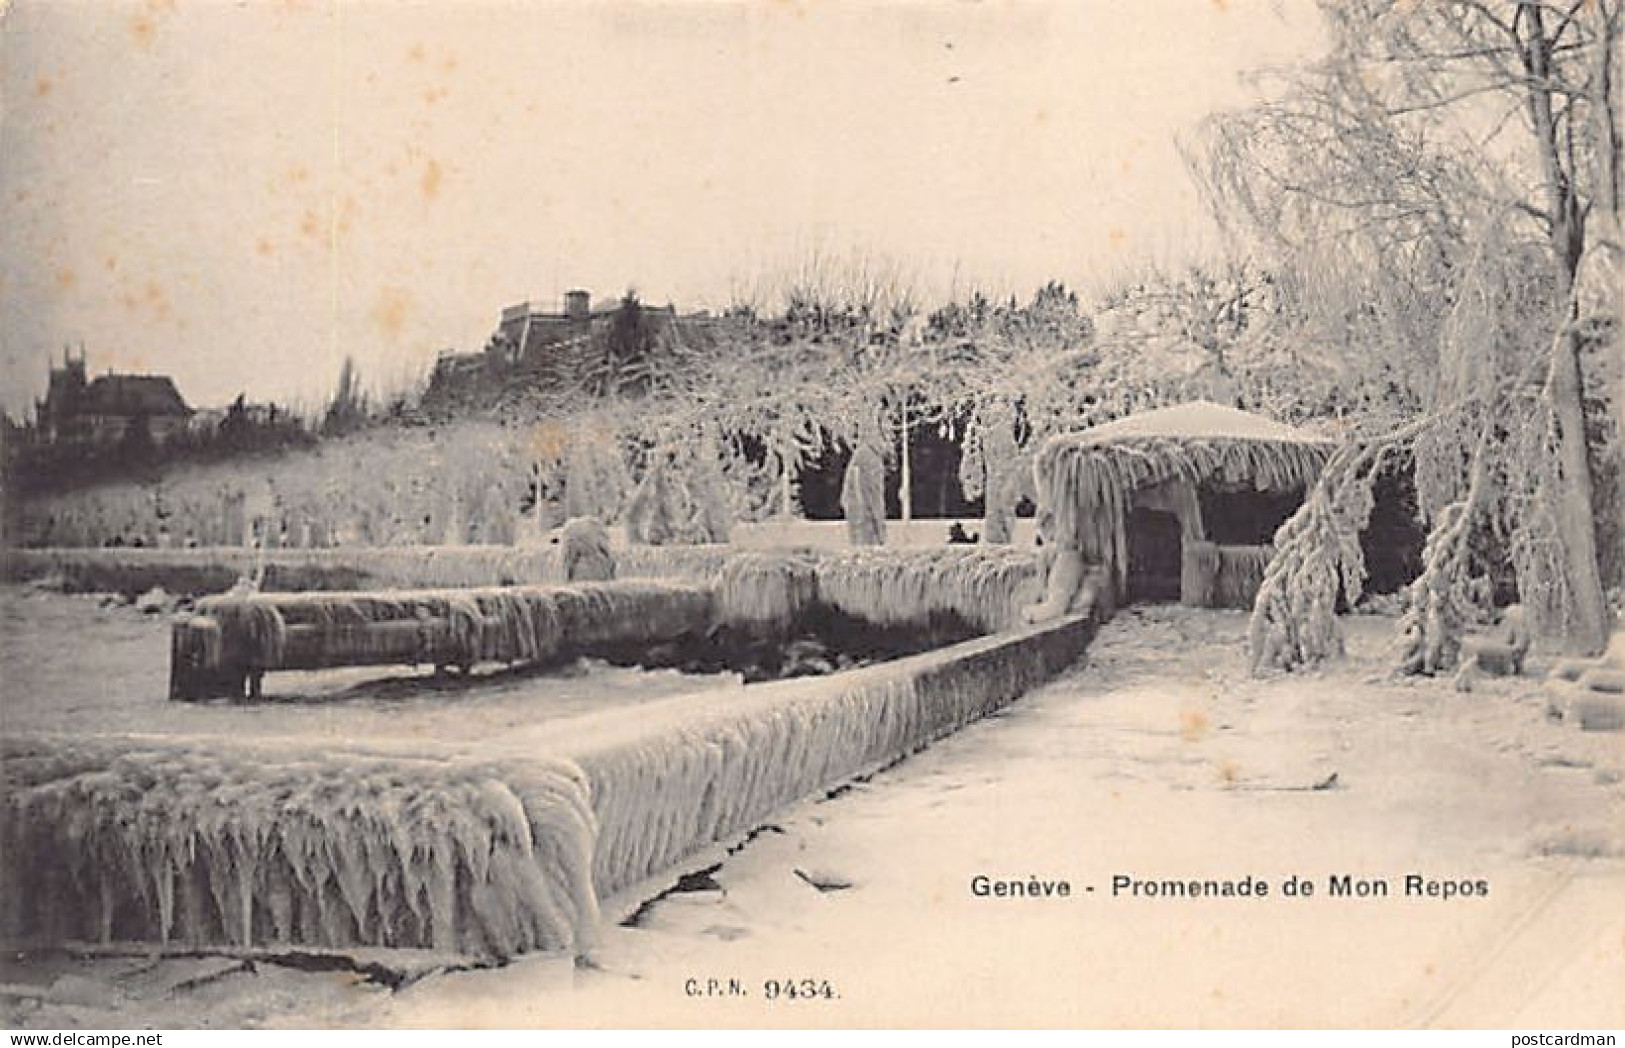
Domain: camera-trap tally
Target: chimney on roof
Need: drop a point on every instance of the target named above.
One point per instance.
(577, 304)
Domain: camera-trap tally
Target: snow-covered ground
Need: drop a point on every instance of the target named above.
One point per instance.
(1159, 759)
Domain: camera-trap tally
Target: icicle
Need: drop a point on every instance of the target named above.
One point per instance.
(339, 847)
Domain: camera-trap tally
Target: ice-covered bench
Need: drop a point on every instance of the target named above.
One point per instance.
(1500, 651)
(234, 640)
(1592, 691)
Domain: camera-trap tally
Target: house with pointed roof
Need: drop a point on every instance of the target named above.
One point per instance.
(102, 411)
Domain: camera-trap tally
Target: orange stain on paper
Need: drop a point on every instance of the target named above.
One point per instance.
(156, 299)
(144, 24)
(389, 311)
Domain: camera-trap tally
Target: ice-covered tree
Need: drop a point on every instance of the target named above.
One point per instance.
(348, 409)
(863, 490)
(1436, 192)
(837, 361)
(1004, 377)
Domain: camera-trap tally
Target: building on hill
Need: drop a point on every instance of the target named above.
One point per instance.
(536, 339)
(107, 409)
(535, 347)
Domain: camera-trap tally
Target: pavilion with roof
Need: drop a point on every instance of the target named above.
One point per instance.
(1179, 503)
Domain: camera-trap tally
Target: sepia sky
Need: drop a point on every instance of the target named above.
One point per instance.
(240, 194)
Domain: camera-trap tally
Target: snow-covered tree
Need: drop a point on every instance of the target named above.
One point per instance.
(1432, 194)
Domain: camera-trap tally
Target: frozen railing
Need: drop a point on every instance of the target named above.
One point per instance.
(516, 845)
(234, 640)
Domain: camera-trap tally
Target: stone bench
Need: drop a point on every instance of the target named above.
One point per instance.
(1591, 692)
(226, 648)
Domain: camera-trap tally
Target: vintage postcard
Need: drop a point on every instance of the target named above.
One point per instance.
(813, 514)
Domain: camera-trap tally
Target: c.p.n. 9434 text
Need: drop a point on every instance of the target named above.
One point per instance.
(799, 989)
